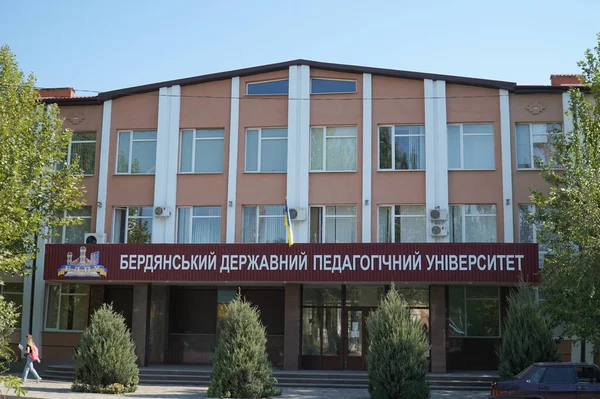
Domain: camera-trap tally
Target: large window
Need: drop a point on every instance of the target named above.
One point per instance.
(13, 292)
(402, 147)
(528, 232)
(199, 225)
(136, 152)
(74, 234)
(272, 87)
(402, 223)
(333, 223)
(332, 86)
(471, 146)
(83, 147)
(133, 225)
(333, 149)
(263, 224)
(474, 311)
(67, 307)
(202, 151)
(534, 143)
(266, 150)
(473, 223)
(322, 320)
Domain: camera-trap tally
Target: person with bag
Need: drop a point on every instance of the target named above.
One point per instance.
(32, 354)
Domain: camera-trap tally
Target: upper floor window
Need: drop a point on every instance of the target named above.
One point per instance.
(74, 234)
(534, 140)
(402, 147)
(333, 149)
(473, 223)
(266, 150)
(66, 307)
(263, 224)
(333, 223)
(332, 86)
(83, 147)
(528, 232)
(471, 146)
(202, 151)
(13, 292)
(199, 225)
(133, 225)
(273, 87)
(136, 152)
(402, 223)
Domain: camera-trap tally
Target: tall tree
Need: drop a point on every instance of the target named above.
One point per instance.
(568, 216)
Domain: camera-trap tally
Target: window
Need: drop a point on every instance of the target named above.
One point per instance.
(588, 375)
(473, 223)
(535, 140)
(474, 311)
(408, 144)
(331, 86)
(402, 223)
(471, 146)
(199, 225)
(74, 234)
(202, 151)
(13, 292)
(559, 375)
(263, 224)
(322, 320)
(333, 223)
(67, 307)
(83, 146)
(528, 232)
(273, 87)
(266, 150)
(333, 149)
(136, 152)
(133, 225)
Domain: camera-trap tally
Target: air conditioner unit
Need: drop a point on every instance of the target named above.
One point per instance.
(298, 214)
(438, 214)
(439, 230)
(162, 211)
(95, 238)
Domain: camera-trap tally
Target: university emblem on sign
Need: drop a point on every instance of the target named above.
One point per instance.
(82, 266)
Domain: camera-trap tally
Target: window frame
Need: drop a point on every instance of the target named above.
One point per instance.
(465, 299)
(531, 134)
(268, 81)
(462, 143)
(4, 292)
(71, 142)
(257, 220)
(63, 229)
(191, 221)
(47, 296)
(131, 141)
(464, 219)
(333, 80)
(393, 220)
(324, 159)
(323, 221)
(193, 160)
(259, 149)
(127, 217)
(541, 253)
(393, 151)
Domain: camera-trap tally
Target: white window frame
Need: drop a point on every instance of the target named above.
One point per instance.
(258, 216)
(194, 139)
(131, 141)
(259, 152)
(531, 134)
(462, 143)
(56, 329)
(127, 217)
(267, 81)
(191, 220)
(393, 220)
(71, 142)
(541, 253)
(65, 215)
(324, 216)
(464, 217)
(393, 151)
(324, 160)
(334, 80)
(467, 316)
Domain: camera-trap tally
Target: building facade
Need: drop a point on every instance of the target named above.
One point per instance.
(414, 179)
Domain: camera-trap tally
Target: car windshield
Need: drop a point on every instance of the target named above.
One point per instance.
(524, 372)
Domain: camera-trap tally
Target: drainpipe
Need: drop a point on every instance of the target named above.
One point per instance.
(31, 296)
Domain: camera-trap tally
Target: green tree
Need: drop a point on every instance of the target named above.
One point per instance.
(527, 336)
(568, 216)
(105, 360)
(241, 366)
(398, 350)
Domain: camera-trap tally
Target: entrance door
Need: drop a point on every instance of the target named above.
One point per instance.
(355, 338)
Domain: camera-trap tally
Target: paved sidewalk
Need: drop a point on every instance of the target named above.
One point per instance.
(60, 390)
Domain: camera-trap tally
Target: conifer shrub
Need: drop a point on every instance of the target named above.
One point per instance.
(398, 349)
(241, 368)
(105, 360)
(527, 336)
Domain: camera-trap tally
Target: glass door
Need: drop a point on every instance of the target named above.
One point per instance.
(355, 339)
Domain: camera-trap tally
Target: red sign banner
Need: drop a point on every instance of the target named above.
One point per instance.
(376, 262)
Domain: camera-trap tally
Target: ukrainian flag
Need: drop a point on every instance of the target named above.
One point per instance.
(287, 221)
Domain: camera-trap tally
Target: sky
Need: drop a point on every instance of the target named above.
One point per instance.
(102, 45)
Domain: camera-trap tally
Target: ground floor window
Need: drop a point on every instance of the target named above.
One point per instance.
(13, 292)
(67, 307)
(474, 312)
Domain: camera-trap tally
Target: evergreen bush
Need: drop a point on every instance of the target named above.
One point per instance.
(105, 360)
(527, 336)
(398, 349)
(241, 368)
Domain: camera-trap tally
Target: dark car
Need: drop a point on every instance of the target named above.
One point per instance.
(552, 381)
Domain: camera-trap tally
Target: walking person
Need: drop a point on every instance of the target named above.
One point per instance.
(31, 352)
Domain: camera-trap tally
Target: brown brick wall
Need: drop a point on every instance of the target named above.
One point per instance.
(140, 318)
(437, 320)
(291, 344)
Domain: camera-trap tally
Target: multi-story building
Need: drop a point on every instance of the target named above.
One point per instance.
(391, 176)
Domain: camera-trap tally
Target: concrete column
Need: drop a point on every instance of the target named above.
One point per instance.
(291, 338)
(437, 320)
(140, 320)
